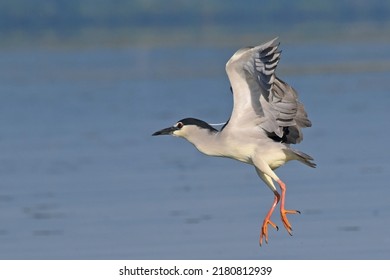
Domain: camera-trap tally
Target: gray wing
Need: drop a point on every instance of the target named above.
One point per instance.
(262, 99)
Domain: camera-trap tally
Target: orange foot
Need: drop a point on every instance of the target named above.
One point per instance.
(267, 220)
(264, 230)
(285, 221)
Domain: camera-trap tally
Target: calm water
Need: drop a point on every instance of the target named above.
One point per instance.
(82, 178)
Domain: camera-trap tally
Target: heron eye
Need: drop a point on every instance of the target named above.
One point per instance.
(179, 125)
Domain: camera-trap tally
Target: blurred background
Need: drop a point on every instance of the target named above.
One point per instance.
(84, 84)
(150, 23)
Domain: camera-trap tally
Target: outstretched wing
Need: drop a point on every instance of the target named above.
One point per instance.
(262, 99)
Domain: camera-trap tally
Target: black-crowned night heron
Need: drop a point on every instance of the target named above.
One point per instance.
(266, 119)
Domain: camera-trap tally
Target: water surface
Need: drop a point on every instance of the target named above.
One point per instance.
(82, 178)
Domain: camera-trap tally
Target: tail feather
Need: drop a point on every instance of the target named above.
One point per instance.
(304, 158)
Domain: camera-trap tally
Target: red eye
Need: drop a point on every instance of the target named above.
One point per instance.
(179, 125)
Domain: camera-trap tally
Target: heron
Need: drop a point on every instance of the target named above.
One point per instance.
(266, 119)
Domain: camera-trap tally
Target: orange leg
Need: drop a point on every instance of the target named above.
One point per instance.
(267, 220)
(283, 211)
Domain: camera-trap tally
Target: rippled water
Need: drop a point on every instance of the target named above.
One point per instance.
(82, 178)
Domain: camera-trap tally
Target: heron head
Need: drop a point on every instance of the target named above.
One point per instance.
(185, 127)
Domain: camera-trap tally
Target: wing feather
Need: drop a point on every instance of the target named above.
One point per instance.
(262, 99)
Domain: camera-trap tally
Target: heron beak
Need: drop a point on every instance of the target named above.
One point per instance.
(165, 131)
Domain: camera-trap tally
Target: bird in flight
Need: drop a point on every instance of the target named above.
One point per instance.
(266, 118)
